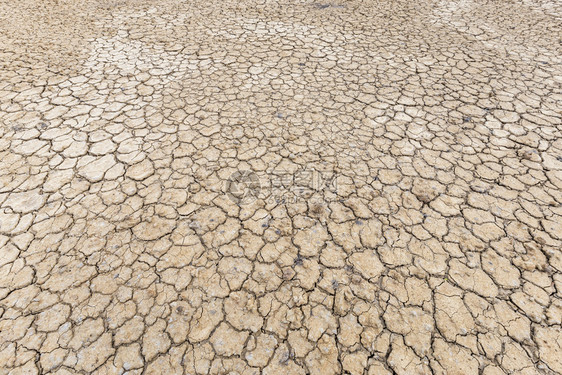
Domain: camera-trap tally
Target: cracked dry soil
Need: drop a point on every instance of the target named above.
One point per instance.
(439, 251)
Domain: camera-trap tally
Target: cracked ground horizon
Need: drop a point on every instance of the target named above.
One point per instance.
(438, 250)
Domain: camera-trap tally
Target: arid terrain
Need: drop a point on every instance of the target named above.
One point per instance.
(281, 187)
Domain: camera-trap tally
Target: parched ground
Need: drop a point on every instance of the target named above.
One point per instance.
(281, 187)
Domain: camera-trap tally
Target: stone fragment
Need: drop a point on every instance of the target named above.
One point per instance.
(93, 169)
(228, 341)
(154, 228)
(25, 202)
(140, 171)
(91, 357)
(367, 263)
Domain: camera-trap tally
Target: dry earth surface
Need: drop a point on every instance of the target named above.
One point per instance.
(409, 158)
